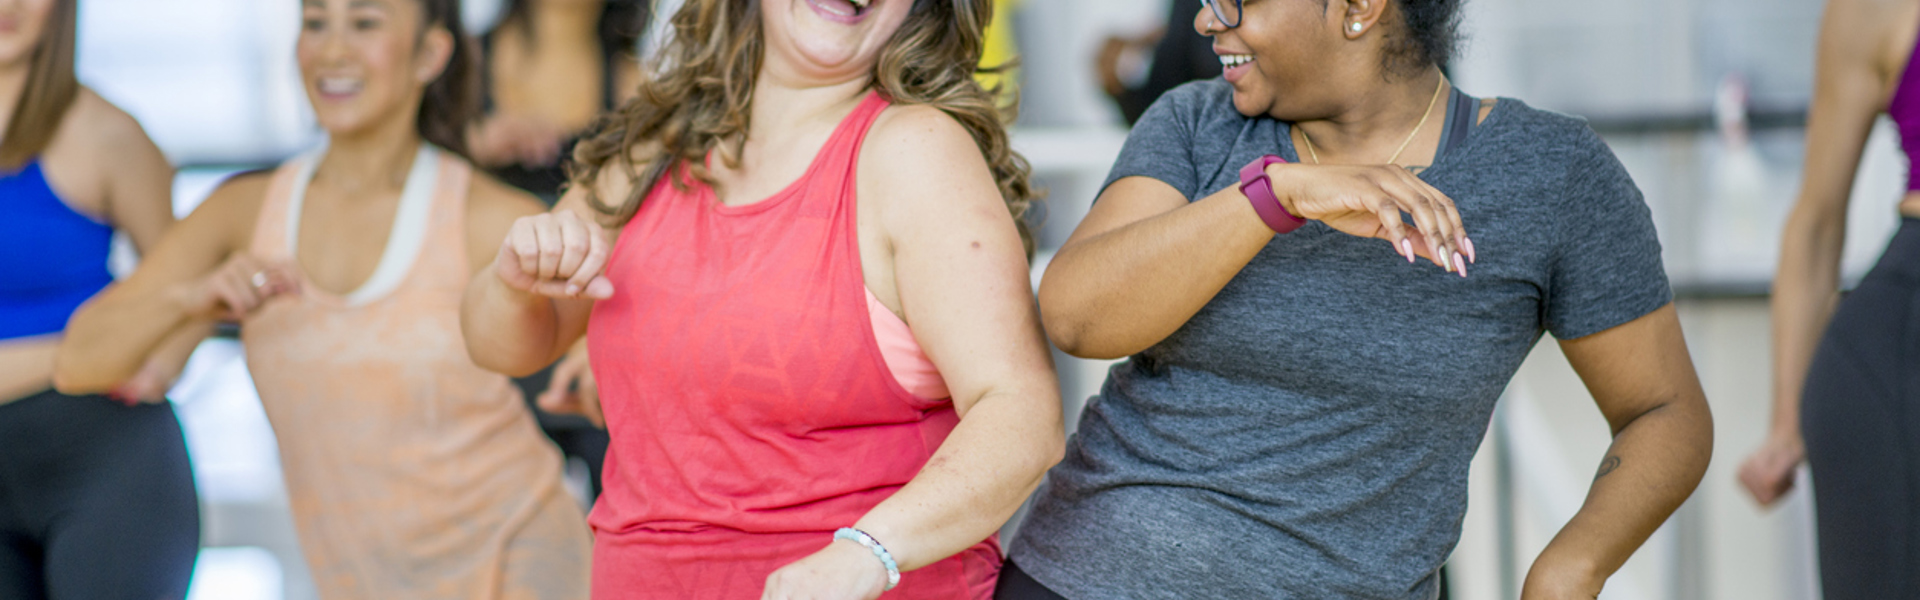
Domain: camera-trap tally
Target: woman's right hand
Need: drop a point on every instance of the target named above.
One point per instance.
(238, 287)
(1367, 201)
(559, 254)
(1769, 472)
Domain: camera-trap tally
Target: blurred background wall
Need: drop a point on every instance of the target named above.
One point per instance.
(214, 83)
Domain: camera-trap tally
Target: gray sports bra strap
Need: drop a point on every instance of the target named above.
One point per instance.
(1461, 118)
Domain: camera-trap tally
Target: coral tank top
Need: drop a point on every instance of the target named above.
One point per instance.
(751, 407)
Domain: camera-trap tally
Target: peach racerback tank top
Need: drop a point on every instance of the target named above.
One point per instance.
(412, 472)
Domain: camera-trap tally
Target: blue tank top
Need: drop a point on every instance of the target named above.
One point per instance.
(52, 258)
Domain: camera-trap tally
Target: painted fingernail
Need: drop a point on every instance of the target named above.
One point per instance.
(1461, 263)
(1467, 242)
(1406, 247)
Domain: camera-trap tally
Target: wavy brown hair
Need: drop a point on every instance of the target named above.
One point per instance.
(701, 95)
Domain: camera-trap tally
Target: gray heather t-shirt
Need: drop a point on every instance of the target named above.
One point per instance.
(1307, 434)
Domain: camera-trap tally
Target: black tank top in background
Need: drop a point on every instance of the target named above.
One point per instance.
(546, 181)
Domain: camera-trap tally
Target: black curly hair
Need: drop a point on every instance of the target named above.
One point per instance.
(1432, 35)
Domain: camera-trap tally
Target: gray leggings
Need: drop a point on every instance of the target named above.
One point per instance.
(1861, 420)
(96, 501)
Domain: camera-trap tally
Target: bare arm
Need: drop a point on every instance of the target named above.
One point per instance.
(1850, 91)
(962, 280)
(1145, 260)
(1643, 380)
(114, 334)
(530, 304)
(139, 201)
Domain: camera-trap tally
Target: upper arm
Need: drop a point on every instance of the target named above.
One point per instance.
(1636, 367)
(139, 196)
(492, 207)
(220, 226)
(958, 261)
(1156, 169)
(1852, 80)
(1128, 201)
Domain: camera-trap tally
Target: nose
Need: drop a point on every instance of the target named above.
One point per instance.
(1205, 23)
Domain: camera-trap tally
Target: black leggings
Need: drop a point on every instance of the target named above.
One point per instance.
(1861, 420)
(96, 501)
(1016, 584)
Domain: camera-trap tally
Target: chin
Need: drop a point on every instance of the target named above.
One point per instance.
(1248, 106)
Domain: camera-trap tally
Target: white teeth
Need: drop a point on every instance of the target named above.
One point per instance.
(1234, 60)
(861, 4)
(339, 86)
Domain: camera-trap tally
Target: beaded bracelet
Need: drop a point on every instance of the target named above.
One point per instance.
(886, 558)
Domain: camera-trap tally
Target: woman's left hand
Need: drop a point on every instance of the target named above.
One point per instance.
(842, 571)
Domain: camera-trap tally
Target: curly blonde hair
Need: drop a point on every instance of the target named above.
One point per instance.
(701, 95)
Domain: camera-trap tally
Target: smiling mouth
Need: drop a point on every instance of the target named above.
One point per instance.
(843, 8)
(1229, 61)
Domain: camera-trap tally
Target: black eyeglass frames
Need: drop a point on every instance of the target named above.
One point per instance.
(1228, 11)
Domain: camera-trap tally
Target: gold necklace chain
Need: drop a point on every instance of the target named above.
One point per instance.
(1403, 145)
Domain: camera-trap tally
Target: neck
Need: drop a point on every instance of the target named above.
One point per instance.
(783, 106)
(564, 21)
(359, 164)
(1378, 120)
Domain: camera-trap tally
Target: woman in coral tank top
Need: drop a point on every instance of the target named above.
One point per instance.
(798, 264)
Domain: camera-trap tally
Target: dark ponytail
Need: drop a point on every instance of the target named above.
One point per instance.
(452, 101)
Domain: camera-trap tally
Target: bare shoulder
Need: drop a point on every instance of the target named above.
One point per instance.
(917, 133)
(239, 197)
(921, 148)
(1877, 32)
(230, 212)
(490, 195)
(98, 119)
(492, 207)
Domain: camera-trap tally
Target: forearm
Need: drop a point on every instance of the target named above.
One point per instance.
(986, 468)
(112, 336)
(507, 330)
(1805, 293)
(1653, 465)
(1121, 291)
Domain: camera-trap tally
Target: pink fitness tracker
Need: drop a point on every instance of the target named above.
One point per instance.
(1259, 191)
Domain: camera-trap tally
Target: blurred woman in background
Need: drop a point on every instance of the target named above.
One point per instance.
(1855, 362)
(412, 473)
(549, 68)
(812, 326)
(96, 496)
(1300, 404)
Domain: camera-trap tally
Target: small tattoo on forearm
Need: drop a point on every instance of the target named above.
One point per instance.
(1607, 466)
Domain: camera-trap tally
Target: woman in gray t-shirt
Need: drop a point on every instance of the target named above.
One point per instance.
(1299, 409)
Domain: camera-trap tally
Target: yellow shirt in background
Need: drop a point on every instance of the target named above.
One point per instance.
(1000, 49)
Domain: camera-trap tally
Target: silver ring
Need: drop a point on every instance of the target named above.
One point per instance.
(259, 279)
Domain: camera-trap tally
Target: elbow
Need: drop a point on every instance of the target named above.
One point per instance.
(500, 362)
(1070, 328)
(74, 378)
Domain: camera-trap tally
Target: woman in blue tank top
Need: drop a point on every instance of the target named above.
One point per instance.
(96, 497)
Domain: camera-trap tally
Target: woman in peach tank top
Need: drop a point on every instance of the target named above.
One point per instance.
(798, 263)
(412, 473)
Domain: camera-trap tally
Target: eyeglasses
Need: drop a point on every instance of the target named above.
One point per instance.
(1228, 11)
